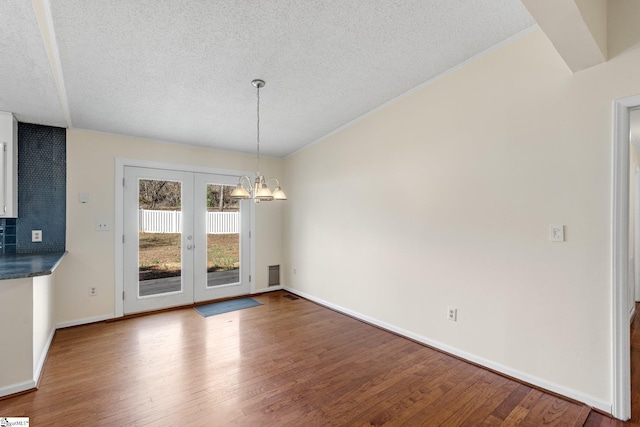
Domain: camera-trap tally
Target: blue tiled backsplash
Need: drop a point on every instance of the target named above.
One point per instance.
(8, 235)
(42, 191)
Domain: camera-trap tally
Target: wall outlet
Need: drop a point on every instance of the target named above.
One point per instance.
(93, 291)
(452, 314)
(36, 235)
(295, 271)
(102, 226)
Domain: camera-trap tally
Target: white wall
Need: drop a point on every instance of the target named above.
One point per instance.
(90, 259)
(43, 319)
(444, 198)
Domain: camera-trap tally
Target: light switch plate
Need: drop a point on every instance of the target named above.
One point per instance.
(556, 233)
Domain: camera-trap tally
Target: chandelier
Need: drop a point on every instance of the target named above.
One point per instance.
(260, 190)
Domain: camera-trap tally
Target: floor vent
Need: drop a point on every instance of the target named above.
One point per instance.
(291, 297)
(274, 275)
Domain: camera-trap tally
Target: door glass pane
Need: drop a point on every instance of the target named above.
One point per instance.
(160, 237)
(223, 238)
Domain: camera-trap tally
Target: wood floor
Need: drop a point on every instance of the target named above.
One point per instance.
(597, 420)
(285, 363)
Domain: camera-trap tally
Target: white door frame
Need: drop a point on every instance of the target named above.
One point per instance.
(119, 217)
(621, 345)
(636, 234)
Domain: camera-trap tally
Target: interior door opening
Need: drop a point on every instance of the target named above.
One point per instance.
(621, 345)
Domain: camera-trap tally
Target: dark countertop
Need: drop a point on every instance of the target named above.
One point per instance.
(20, 266)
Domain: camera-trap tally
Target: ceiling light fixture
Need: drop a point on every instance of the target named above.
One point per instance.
(260, 190)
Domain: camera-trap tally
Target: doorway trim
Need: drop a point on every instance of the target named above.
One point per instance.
(636, 237)
(621, 345)
(119, 217)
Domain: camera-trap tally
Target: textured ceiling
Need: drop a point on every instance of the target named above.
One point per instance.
(181, 70)
(27, 88)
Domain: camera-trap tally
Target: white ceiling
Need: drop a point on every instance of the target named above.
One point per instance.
(181, 70)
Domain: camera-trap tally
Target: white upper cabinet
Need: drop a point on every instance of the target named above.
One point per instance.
(8, 165)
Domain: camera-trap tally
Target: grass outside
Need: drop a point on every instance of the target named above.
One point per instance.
(159, 254)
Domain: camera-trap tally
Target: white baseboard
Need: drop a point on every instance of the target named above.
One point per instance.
(84, 321)
(514, 373)
(269, 289)
(17, 388)
(43, 357)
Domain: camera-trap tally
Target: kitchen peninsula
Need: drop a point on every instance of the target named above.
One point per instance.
(27, 323)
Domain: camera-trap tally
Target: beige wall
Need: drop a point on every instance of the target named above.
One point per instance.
(16, 335)
(594, 13)
(623, 31)
(25, 330)
(90, 261)
(444, 198)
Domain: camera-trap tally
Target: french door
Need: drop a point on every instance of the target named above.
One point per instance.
(185, 240)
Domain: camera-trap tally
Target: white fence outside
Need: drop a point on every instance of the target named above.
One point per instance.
(171, 222)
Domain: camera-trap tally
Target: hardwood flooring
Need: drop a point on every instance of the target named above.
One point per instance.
(598, 420)
(285, 363)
